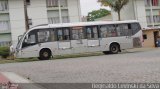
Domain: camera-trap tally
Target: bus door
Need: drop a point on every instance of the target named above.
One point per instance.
(92, 36)
(63, 37)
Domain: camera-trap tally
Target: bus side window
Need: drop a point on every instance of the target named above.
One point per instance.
(104, 32)
(135, 28)
(30, 39)
(60, 35)
(52, 35)
(63, 34)
(92, 32)
(123, 30)
(77, 33)
(66, 33)
(43, 35)
(111, 30)
(129, 30)
(89, 32)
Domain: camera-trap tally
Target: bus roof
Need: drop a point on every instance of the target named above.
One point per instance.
(76, 24)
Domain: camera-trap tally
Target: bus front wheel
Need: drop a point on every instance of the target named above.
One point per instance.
(114, 48)
(45, 54)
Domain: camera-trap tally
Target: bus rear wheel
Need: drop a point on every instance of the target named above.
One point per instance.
(114, 48)
(45, 54)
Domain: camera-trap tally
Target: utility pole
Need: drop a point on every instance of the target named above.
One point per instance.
(26, 16)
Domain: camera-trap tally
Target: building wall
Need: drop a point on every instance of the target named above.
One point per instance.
(37, 12)
(74, 10)
(149, 42)
(140, 12)
(16, 13)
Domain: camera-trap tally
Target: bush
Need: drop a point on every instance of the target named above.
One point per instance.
(4, 52)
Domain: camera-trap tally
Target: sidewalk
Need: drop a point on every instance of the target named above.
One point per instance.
(140, 49)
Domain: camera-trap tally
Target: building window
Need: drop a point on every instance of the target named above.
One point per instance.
(52, 3)
(156, 19)
(4, 25)
(53, 20)
(147, 2)
(5, 43)
(28, 2)
(153, 2)
(144, 36)
(65, 19)
(149, 19)
(63, 3)
(30, 21)
(3, 5)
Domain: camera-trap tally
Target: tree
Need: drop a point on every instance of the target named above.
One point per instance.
(97, 14)
(116, 5)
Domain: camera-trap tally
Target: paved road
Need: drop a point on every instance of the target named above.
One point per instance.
(127, 68)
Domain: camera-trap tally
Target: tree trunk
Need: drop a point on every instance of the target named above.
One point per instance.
(119, 15)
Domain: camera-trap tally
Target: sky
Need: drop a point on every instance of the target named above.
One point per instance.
(89, 5)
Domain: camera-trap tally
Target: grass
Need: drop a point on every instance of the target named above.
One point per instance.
(4, 61)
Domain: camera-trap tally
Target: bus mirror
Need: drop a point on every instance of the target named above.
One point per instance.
(26, 39)
(19, 37)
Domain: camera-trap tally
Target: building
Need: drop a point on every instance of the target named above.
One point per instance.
(151, 37)
(145, 11)
(12, 15)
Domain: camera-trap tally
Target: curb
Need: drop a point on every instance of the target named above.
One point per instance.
(9, 80)
(5, 83)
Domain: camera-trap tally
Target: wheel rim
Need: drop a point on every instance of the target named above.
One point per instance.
(45, 54)
(114, 49)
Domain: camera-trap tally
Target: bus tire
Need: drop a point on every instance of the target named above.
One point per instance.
(45, 54)
(114, 48)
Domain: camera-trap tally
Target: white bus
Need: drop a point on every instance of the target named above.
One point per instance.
(44, 41)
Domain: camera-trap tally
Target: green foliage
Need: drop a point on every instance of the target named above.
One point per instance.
(4, 52)
(116, 5)
(97, 14)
